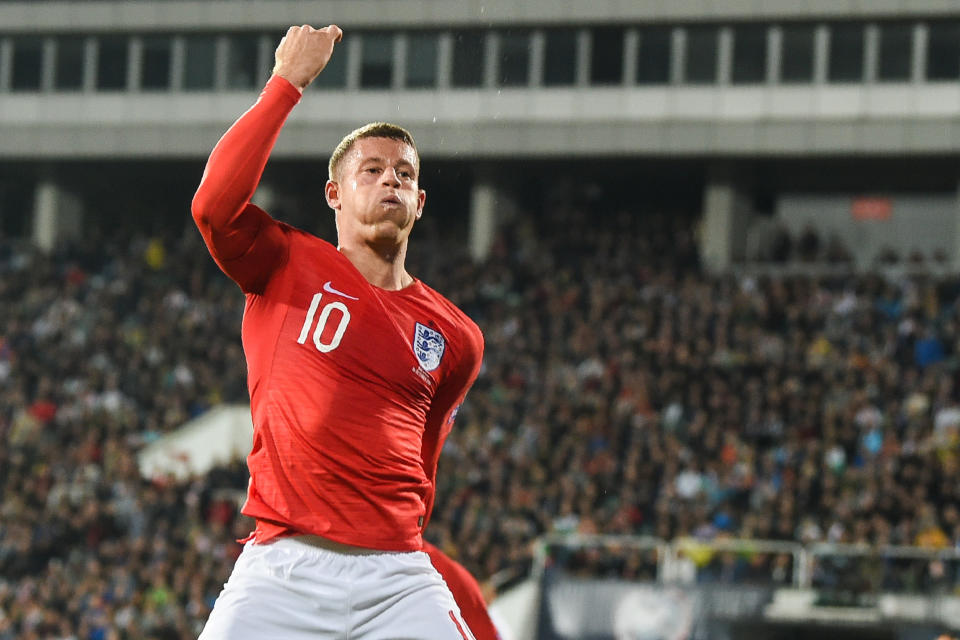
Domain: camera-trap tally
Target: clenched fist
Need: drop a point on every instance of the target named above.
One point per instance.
(304, 52)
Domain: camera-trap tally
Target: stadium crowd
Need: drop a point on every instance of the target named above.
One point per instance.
(623, 391)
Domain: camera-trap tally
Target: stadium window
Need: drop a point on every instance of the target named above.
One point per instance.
(201, 55)
(560, 57)
(606, 55)
(749, 54)
(334, 75)
(376, 63)
(943, 51)
(242, 53)
(68, 63)
(155, 63)
(112, 60)
(468, 50)
(422, 55)
(27, 64)
(896, 51)
(846, 53)
(701, 60)
(653, 56)
(796, 53)
(513, 63)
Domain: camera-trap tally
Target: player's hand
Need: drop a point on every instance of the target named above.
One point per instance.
(304, 52)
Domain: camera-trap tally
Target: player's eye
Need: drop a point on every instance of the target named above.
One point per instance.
(373, 170)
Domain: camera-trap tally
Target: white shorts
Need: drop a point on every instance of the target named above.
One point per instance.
(289, 590)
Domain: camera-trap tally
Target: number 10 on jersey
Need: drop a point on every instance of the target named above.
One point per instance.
(334, 342)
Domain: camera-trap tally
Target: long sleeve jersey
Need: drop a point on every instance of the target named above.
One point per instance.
(353, 388)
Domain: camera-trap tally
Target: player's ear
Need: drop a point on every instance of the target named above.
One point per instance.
(421, 199)
(332, 191)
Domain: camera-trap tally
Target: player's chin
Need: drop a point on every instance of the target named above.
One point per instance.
(388, 231)
(397, 216)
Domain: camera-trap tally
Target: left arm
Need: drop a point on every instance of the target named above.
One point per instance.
(443, 409)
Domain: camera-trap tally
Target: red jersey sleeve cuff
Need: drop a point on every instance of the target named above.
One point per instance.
(281, 87)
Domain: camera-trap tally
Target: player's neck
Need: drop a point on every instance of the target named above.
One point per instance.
(383, 267)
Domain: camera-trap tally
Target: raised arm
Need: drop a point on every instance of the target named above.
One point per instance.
(245, 242)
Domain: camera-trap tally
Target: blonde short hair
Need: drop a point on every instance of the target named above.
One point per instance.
(372, 130)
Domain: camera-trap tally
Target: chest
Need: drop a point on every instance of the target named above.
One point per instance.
(333, 325)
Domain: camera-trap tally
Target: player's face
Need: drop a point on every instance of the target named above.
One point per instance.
(378, 192)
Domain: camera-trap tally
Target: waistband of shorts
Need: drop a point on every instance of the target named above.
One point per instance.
(319, 542)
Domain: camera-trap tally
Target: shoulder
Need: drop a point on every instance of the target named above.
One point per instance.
(298, 234)
(307, 242)
(303, 253)
(464, 324)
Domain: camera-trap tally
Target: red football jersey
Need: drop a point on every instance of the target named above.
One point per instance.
(353, 388)
(466, 591)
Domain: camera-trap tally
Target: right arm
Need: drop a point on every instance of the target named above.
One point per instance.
(244, 241)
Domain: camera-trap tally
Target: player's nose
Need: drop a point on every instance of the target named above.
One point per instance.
(390, 177)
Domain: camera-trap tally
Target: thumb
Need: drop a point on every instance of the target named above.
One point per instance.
(335, 31)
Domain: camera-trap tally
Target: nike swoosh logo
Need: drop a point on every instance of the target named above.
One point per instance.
(328, 287)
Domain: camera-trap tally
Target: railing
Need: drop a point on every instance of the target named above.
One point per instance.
(604, 547)
(860, 572)
(843, 570)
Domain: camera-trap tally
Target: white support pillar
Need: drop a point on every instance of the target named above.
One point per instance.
(265, 196)
(490, 204)
(727, 211)
(956, 234)
(483, 218)
(57, 215)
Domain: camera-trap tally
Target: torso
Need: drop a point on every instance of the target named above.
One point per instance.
(342, 375)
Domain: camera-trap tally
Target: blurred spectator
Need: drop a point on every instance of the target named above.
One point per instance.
(781, 247)
(837, 251)
(928, 350)
(808, 245)
(887, 256)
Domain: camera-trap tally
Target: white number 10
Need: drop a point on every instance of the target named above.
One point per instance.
(322, 323)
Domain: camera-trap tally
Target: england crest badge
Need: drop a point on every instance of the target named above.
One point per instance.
(428, 345)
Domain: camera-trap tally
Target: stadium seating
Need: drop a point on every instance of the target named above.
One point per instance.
(623, 391)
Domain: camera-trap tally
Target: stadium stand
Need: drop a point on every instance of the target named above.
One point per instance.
(713, 247)
(623, 391)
